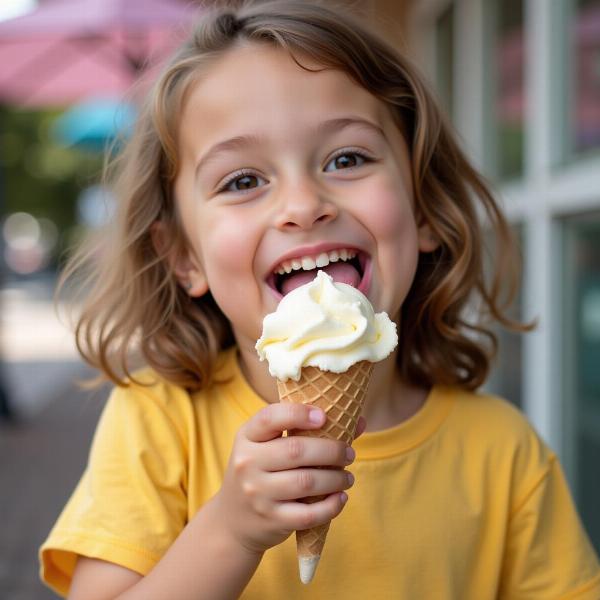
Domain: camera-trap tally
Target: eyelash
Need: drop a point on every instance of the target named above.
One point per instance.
(234, 177)
(351, 151)
(244, 172)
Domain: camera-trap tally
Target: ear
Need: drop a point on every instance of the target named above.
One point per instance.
(184, 263)
(428, 241)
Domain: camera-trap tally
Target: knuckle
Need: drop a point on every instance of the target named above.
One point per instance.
(300, 412)
(249, 490)
(295, 447)
(262, 509)
(290, 412)
(265, 416)
(241, 464)
(305, 480)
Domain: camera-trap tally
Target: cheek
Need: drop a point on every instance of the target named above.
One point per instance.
(390, 220)
(390, 215)
(228, 244)
(228, 240)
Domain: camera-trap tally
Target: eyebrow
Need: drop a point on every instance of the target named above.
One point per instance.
(244, 141)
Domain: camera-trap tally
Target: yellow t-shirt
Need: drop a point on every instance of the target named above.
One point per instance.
(462, 501)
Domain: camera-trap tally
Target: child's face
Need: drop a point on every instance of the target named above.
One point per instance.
(299, 189)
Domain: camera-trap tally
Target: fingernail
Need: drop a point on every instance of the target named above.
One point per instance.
(343, 497)
(350, 478)
(350, 454)
(315, 416)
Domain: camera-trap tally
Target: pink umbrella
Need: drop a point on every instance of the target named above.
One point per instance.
(70, 50)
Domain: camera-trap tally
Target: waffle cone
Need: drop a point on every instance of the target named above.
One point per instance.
(341, 396)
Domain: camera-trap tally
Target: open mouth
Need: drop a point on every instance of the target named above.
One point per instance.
(344, 265)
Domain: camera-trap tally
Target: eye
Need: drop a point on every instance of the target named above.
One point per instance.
(348, 159)
(240, 182)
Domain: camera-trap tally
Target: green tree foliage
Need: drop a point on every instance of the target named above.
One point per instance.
(38, 175)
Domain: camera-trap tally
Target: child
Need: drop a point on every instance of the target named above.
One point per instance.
(285, 130)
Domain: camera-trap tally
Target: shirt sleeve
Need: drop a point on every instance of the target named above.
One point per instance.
(548, 554)
(131, 502)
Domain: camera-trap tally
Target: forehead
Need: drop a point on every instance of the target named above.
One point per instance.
(259, 87)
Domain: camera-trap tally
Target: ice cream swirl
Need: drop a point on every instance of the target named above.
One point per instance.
(327, 325)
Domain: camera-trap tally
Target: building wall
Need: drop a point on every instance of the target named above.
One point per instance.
(520, 79)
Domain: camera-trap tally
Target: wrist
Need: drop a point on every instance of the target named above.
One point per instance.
(232, 539)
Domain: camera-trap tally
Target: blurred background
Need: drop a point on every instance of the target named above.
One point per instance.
(520, 81)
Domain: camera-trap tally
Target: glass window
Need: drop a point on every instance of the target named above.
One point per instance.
(506, 376)
(584, 101)
(444, 60)
(582, 353)
(505, 72)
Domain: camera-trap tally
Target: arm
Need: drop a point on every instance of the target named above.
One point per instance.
(219, 550)
(202, 563)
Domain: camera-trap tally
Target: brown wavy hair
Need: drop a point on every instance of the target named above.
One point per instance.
(133, 305)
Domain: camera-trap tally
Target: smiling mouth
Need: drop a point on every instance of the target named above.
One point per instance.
(344, 265)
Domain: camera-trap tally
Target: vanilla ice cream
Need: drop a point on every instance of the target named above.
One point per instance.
(327, 325)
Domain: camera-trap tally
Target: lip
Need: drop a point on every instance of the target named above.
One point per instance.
(315, 249)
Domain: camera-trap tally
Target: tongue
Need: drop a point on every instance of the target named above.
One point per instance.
(342, 272)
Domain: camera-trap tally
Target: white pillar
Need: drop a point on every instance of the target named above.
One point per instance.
(469, 85)
(541, 380)
(539, 126)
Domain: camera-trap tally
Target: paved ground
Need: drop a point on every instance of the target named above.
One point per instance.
(41, 459)
(43, 452)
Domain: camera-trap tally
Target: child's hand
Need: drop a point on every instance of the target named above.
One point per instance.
(267, 473)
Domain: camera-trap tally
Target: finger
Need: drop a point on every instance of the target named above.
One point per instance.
(305, 483)
(301, 515)
(270, 422)
(301, 451)
(361, 425)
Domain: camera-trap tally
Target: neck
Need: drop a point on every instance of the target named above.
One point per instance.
(389, 401)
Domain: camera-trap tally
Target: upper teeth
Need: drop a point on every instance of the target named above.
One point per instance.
(307, 263)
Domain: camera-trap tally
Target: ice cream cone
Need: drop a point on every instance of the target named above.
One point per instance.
(341, 396)
(333, 325)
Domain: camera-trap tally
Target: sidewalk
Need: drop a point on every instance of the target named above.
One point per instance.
(41, 460)
(43, 453)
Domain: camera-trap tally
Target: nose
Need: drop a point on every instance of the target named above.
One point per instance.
(302, 207)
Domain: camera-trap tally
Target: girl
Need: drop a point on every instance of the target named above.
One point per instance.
(281, 131)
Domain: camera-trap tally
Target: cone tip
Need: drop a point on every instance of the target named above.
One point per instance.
(308, 566)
